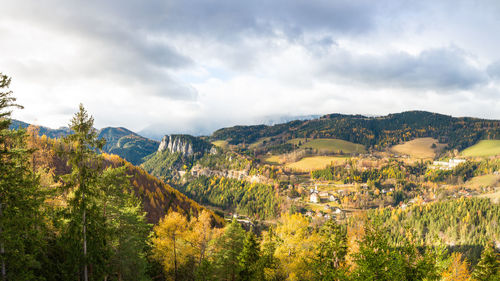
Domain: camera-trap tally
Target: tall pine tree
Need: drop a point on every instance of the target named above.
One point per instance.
(85, 217)
(20, 199)
(488, 268)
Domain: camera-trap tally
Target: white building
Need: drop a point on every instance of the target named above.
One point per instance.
(452, 163)
(314, 198)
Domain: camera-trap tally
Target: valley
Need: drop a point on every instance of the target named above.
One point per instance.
(262, 176)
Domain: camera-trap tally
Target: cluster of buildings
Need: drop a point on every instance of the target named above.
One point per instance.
(452, 163)
(317, 197)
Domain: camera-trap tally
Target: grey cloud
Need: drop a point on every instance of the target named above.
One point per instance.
(494, 70)
(111, 44)
(442, 69)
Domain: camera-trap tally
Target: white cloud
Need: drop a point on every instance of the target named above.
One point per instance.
(194, 66)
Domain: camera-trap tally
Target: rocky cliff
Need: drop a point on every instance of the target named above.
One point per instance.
(185, 144)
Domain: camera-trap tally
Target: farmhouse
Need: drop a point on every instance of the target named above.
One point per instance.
(314, 198)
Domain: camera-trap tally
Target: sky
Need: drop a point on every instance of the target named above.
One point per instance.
(162, 66)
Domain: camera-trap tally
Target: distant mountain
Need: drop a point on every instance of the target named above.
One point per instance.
(51, 133)
(279, 119)
(127, 144)
(156, 196)
(373, 132)
(120, 141)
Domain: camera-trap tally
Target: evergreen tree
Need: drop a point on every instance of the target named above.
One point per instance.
(87, 224)
(229, 246)
(330, 259)
(488, 268)
(20, 199)
(126, 224)
(249, 257)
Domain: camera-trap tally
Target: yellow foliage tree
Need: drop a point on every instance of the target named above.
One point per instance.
(457, 270)
(297, 244)
(170, 246)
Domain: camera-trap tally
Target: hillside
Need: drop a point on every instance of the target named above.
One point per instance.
(127, 144)
(120, 141)
(419, 148)
(157, 197)
(51, 133)
(483, 148)
(373, 132)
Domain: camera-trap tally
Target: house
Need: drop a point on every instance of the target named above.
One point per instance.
(314, 198)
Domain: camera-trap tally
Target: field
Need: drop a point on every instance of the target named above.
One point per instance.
(419, 148)
(483, 181)
(274, 159)
(483, 148)
(495, 197)
(314, 163)
(330, 145)
(220, 143)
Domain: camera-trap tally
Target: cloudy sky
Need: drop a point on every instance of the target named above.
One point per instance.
(194, 66)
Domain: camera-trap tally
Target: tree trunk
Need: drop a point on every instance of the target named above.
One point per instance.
(85, 273)
(2, 252)
(175, 261)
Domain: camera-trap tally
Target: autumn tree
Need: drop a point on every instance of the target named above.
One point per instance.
(458, 269)
(296, 244)
(170, 246)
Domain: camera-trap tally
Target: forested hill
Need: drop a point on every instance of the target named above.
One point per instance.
(375, 132)
(51, 133)
(157, 197)
(127, 144)
(120, 141)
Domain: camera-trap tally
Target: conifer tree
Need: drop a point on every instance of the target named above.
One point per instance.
(126, 226)
(249, 257)
(84, 162)
(20, 199)
(330, 259)
(488, 268)
(229, 246)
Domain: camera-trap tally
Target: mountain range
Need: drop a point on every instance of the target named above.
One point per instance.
(372, 132)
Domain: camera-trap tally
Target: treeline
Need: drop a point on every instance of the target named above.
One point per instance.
(376, 132)
(256, 200)
(296, 249)
(399, 170)
(466, 224)
(350, 173)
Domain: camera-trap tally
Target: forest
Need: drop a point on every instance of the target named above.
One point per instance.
(373, 132)
(69, 211)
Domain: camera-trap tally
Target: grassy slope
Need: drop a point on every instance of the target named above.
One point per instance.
(483, 148)
(220, 143)
(330, 145)
(314, 163)
(481, 181)
(418, 148)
